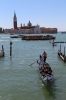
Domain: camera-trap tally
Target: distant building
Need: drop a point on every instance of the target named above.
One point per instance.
(0, 29)
(37, 29)
(29, 24)
(48, 30)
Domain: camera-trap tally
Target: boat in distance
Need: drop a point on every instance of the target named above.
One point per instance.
(37, 37)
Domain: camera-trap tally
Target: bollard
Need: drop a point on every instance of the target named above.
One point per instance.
(10, 48)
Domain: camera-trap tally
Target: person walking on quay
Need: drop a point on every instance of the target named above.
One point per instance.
(44, 56)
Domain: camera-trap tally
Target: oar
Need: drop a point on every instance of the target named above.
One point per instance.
(33, 63)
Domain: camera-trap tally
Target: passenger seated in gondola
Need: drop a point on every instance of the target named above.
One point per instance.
(41, 68)
(47, 70)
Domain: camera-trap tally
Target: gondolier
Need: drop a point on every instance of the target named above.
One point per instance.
(44, 56)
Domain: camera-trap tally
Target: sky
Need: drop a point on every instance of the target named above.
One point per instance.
(46, 13)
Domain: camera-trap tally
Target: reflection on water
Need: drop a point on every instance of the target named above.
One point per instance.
(49, 92)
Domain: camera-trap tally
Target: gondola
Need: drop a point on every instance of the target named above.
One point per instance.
(47, 78)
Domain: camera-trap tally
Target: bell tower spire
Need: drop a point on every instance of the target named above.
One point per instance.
(14, 14)
(15, 21)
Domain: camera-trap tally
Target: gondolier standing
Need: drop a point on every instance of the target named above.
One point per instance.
(44, 56)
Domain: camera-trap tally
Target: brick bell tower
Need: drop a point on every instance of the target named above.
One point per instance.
(15, 21)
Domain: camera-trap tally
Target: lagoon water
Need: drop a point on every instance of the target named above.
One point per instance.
(20, 81)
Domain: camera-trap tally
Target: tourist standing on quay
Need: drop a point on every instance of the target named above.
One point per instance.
(44, 55)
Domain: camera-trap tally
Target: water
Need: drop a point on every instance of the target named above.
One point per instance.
(20, 81)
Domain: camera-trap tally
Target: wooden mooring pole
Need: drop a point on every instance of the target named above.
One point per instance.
(53, 42)
(60, 47)
(3, 50)
(50, 40)
(64, 51)
(62, 56)
(10, 48)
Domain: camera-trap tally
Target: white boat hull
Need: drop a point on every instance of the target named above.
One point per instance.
(47, 79)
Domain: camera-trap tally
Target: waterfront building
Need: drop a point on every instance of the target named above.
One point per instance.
(1, 30)
(37, 29)
(48, 30)
(29, 28)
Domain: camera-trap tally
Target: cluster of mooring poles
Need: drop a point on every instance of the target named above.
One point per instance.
(61, 55)
(53, 43)
(2, 53)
